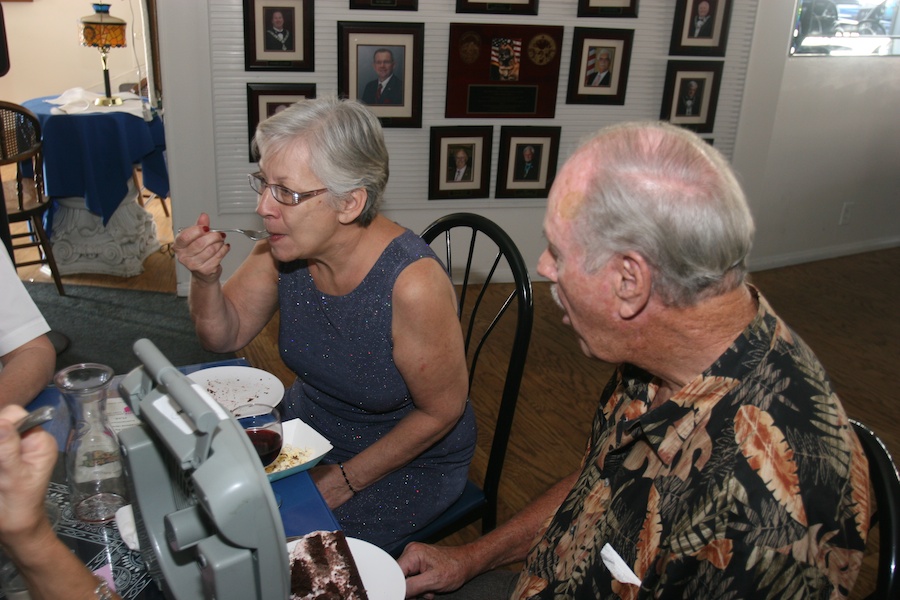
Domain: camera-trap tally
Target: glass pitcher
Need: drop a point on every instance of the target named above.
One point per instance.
(93, 460)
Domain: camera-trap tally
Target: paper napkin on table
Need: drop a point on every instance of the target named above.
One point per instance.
(127, 528)
(80, 101)
(618, 567)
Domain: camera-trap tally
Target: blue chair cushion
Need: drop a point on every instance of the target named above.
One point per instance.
(468, 508)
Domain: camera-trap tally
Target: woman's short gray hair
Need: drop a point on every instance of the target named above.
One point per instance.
(345, 142)
(663, 192)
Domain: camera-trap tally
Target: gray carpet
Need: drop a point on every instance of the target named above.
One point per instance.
(102, 324)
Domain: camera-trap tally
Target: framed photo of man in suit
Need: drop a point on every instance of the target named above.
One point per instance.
(278, 35)
(380, 64)
(267, 99)
(460, 165)
(598, 73)
(700, 27)
(527, 162)
(691, 94)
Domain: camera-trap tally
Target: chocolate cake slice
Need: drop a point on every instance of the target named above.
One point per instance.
(322, 567)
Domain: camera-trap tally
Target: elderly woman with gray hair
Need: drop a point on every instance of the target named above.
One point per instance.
(368, 319)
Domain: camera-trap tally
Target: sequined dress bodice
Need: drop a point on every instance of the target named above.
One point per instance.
(348, 387)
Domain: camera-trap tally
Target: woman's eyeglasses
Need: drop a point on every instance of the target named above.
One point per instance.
(281, 194)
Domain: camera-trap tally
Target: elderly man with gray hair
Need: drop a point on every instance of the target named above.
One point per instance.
(720, 463)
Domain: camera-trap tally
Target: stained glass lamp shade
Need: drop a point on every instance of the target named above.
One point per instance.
(103, 31)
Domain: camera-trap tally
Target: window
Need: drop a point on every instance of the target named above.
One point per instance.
(846, 28)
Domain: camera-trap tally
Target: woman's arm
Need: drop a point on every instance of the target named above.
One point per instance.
(227, 317)
(428, 352)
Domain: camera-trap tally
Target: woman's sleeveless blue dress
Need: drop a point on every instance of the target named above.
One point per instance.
(349, 390)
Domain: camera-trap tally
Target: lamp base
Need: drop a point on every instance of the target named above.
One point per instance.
(114, 101)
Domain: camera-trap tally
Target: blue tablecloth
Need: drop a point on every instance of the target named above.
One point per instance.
(92, 155)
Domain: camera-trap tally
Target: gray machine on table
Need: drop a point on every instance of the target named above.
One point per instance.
(206, 516)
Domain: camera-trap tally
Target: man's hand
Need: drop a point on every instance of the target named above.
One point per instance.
(429, 569)
(25, 467)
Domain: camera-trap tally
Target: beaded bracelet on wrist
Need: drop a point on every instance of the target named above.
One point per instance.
(347, 481)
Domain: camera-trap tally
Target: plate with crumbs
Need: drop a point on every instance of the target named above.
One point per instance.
(380, 573)
(235, 386)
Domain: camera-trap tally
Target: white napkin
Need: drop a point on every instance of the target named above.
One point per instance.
(80, 101)
(127, 528)
(618, 567)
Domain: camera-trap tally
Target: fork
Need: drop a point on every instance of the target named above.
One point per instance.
(253, 234)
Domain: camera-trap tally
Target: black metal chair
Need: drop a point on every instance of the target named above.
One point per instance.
(20, 143)
(484, 244)
(886, 485)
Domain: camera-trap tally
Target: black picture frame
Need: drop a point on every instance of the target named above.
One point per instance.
(446, 142)
(711, 38)
(384, 5)
(512, 180)
(296, 51)
(697, 112)
(590, 47)
(608, 8)
(507, 7)
(358, 43)
(266, 99)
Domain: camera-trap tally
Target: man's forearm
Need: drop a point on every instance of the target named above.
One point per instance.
(26, 371)
(511, 542)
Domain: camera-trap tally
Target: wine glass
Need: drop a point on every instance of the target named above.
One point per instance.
(262, 424)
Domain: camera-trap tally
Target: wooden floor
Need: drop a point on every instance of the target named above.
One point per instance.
(847, 309)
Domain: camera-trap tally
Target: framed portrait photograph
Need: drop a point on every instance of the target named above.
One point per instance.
(380, 64)
(278, 35)
(384, 4)
(700, 27)
(527, 161)
(691, 94)
(598, 73)
(267, 99)
(503, 70)
(460, 164)
(607, 8)
(507, 7)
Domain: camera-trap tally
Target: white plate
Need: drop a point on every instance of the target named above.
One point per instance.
(234, 386)
(300, 435)
(380, 573)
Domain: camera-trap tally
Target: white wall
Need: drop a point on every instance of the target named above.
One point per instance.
(815, 133)
(46, 55)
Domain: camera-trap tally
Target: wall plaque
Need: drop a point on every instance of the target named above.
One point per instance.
(507, 71)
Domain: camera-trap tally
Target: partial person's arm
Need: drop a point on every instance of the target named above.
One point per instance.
(26, 371)
(51, 571)
(227, 317)
(430, 569)
(428, 352)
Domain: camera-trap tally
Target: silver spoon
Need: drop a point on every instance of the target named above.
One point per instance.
(35, 418)
(253, 234)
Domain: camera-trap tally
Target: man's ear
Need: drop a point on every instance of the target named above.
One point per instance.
(633, 284)
(353, 206)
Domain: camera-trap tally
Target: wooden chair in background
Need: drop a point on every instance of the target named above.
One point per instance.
(20, 144)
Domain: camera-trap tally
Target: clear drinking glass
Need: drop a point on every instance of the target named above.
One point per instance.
(93, 460)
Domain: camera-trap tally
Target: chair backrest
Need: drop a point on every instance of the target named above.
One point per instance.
(20, 141)
(886, 485)
(487, 251)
